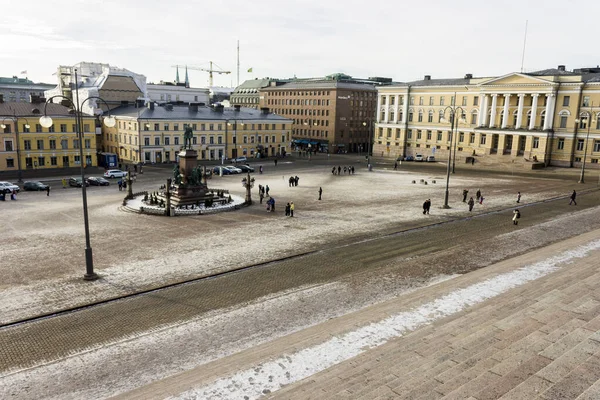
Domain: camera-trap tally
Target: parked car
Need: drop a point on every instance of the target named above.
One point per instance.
(115, 173)
(7, 187)
(409, 158)
(97, 181)
(34, 185)
(234, 170)
(217, 170)
(245, 168)
(77, 182)
(242, 159)
(430, 159)
(419, 157)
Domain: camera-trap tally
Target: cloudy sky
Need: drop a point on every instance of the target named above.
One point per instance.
(281, 38)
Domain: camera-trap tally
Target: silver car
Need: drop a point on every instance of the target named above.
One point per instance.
(7, 187)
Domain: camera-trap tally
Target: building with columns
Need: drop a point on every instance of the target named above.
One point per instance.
(549, 116)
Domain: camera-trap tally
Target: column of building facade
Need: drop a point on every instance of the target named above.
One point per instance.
(506, 111)
(396, 108)
(405, 109)
(387, 108)
(534, 105)
(493, 113)
(520, 110)
(482, 119)
(378, 116)
(549, 111)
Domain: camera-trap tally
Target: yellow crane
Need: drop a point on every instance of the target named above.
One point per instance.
(210, 71)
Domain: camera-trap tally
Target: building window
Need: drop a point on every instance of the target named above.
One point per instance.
(147, 142)
(596, 145)
(476, 101)
(580, 143)
(40, 144)
(586, 101)
(430, 116)
(63, 127)
(64, 144)
(482, 140)
(75, 143)
(27, 144)
(409, 134)
(419, 135)
(211, 140)
(442, 100)
(473, 118)
(51, 129)
(156, 127)
(157, 141)
(8, 145)
(431, 100)
(176, 127)
(464, 100)
(10, 163)
(583, 122)
(566, 101)
(536, 143)
(167, 141)
(420, 100)
(219, 139)
(563, 121)
(41, 161)
(383, 100)
(412, 100)
(410, 117)
(53, 161)
(439, 136)
(176, 140)
(420, 116)
(428, 135)
(146, 127)
(472, 138)
(166, 127)
(461, 137)
(561, 144)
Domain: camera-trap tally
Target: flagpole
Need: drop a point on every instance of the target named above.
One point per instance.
(238, 63)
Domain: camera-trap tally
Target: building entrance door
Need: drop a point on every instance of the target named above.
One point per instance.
(158, 157)
(522, 140)
(508, 142)
(495, 139)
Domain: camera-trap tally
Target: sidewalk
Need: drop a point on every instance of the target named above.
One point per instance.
(520, 329)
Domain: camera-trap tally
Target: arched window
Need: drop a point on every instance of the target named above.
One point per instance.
(430, 116)
(474, 115)
(440, 116)
(420, 116)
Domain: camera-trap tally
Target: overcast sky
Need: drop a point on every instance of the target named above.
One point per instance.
(400, 39)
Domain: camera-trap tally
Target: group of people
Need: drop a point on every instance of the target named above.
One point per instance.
(479, 197)
(262, 190)
(289, 209)
(339, 169)
(293, 181)
(13, 195)
(426, 206)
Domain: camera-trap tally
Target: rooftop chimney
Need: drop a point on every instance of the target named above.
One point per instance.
(427, 77)
(139, 103)
(201, 104)
(468, 76)
(561, 68)
(264, 110)
(218, 108)
(169, 107)
(237, 107)
(150, 105)
(193, 107)
(1, 98)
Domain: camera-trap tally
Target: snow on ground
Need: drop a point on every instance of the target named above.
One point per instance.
(133, 252)
(270, 376)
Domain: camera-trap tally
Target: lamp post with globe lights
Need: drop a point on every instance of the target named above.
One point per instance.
(248, 183)
(15, 120)
(453, 127)
(585, 116)
(108, 121)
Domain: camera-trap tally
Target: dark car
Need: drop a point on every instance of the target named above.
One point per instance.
(409, 158)
(217, 170)
(34, 185)
(97, 181)
(77, 182)
(245, 168)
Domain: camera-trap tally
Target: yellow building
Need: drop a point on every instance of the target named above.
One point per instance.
(26, 145)
(550, 116)
(154, 134)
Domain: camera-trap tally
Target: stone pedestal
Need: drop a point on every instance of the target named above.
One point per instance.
(189, 192)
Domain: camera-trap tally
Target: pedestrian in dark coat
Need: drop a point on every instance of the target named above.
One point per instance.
(287, 210)
(296, 179)
(426, 206)
(516, 216)
(478, 194)
(339, 170)
(518, 197)
(48, 190)
(395, 166)
(471, 203)
(320, 192)
(120, 183)
(352, 170)
(465, 193)
(261, 196)
(573, 196)
(344, 170)
(333, 170)
(267, 190)
(291, 181)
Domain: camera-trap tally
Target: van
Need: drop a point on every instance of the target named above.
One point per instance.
(419, 157)
(430, 159)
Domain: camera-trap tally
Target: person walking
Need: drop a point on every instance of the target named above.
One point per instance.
(518, 197)
(339, 170)
(353, 170)
(48, 190)
(120, 183)
(573, 196)
(13, 195)
(287, 210)
(395, 166)
(261, 196)
(267, 190)
(465, 193)
(333, 170)
(260, 169)
(292, 209)
(320, 192)
(471, 203)
(64, 183)
(481, 200)
(472, 160)
(275, 161)
(516, 216)
(478, 194)
(344, 170)
(296, 179)
(426, 207)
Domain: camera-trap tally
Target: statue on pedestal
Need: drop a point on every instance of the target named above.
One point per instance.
(176, 175)
(187, 137)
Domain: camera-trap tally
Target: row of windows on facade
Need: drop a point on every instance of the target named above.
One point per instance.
(299, 102)
(245, 100)
(166, 140)
(168, 97)
(312, 122)
(298, 93)
(560, 144)
(210, 154)
(585, 101)
(40, 144)
(296, 111)
(311, 132)
(31, 162)
(211, 127)
(39, 128)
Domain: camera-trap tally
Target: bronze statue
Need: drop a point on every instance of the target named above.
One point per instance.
(176, 175)
(187, 137)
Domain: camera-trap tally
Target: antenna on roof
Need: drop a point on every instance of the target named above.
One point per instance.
(524, 43)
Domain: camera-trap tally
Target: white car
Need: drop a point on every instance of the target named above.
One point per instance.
(115, 173)
(7, 187)
(419, 157)
(232, 169)
(430, 159)
(240, 159)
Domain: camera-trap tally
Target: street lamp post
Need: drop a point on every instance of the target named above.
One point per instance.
(109, 121)
(15, 120)
(453, 124)
(588, 117)
(248, 183)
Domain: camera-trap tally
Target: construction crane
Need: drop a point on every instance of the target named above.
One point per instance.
(210, 71)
